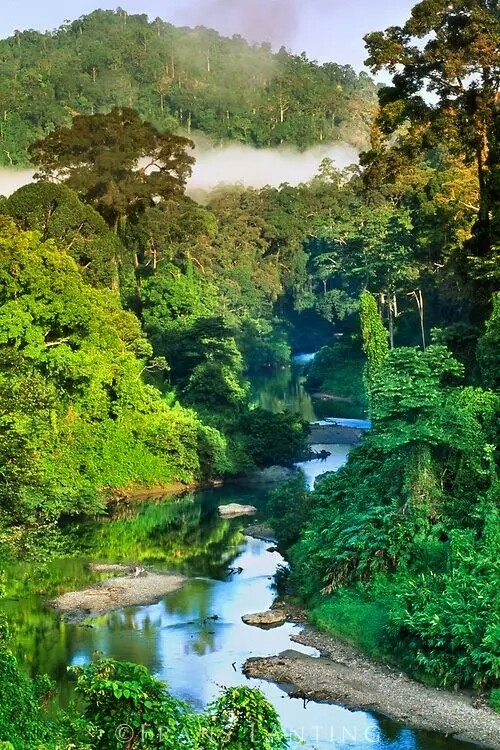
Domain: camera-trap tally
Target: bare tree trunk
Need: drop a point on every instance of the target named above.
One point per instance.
(391, 323)
(419, 300)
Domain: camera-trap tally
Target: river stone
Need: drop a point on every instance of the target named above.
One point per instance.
(273, 618)
(270, 475)
(261, 531)
(235, 509)
(111, 568)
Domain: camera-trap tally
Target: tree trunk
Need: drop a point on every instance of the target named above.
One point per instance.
(419, 299)
(391, 326)
(483, 231)
(391, 315)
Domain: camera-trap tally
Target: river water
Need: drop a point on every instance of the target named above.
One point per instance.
(193, 639)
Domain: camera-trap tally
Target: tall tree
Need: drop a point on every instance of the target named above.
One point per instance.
(55, 212)
(116, 162)
(449, 49)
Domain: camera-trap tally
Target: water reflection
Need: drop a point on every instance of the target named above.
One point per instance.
(194, 638)
(336, 458)
(284, 389)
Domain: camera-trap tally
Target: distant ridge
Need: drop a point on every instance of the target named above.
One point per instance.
(180, 79)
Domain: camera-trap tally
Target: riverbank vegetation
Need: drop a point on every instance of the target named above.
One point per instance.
(400, 548)
(126, 706)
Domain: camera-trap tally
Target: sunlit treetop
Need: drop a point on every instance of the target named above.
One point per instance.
(116, 162)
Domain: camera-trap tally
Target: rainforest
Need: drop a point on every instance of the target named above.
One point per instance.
(153, 373)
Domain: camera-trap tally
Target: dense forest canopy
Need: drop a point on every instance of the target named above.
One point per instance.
(399, 550)
(176, 78)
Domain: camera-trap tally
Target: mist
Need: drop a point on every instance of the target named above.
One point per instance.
(251, 167)
(274, 21)
(12, 179)
(236, 164)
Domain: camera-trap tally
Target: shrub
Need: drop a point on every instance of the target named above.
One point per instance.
(274, 438)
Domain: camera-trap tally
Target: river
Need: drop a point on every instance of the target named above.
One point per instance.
(193, 639)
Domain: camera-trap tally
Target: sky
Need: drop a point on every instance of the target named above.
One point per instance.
(327, 30)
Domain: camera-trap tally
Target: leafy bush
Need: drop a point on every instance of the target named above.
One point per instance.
(352, 615)
(338, 369)
(20, 721)
(495, 699)
(289, 507)
(451, 623)
(125, 695)
(126, 703)
(274, 438)
(242, 718)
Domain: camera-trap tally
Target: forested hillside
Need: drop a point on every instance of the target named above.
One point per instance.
(177, 78)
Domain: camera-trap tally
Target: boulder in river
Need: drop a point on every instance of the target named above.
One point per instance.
(232, 510)
(261, 531)
(273, 618)
(270, 475)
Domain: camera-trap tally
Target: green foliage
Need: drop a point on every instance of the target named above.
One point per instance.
(446, 49)
(495, 699)
(242, 718)
(488, 348)
(125, 705)
(20, 720)
(215, 388)
(122, 694)
(451, 623)
(274, 438)
(337, 369)
(72, 394)
(98, 157)
(405, 523)
(374, 337)
(352, 615)
(289, 507)
(55, 211)
(264, 345)
(176, 78)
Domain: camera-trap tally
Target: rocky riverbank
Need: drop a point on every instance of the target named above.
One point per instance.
(116, 593)
(329, 434)
(344, 675)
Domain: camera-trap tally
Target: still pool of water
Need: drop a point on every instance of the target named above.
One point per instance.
(193, 638)
(284, 389)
